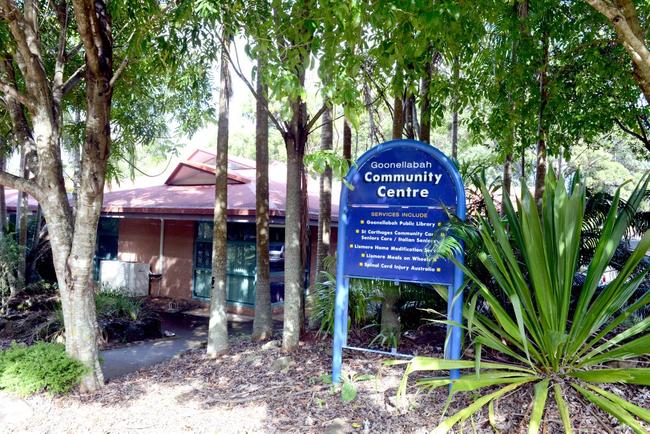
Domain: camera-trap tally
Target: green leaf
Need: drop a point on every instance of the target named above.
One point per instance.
(463, 414)
(630, 376)
(639, 412)
(539, 404)
(563, 409)
(612, 408)
(348, 392)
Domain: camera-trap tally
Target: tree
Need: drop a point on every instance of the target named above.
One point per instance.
(218, 327)
(263, 321)
(39, 45)
(73, 244)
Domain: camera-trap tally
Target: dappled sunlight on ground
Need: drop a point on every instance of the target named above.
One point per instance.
(257, 388)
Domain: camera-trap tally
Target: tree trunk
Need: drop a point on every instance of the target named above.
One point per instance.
(398, 117)
(374, 134)
(295, 140)
(3, 201)
(347, 141)
(454, 115)
(425, 106)
(622, 15)
(22, 222)
(73, 271)
(325, 203)
(540, 170)
(293, 275)
(390, 321)
(218, 327)
(507, 180)
(410, 121)
(263, 321)
(76, 168)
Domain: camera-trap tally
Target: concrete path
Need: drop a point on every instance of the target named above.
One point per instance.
(191, 332)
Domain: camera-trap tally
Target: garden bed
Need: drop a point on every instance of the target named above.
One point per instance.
(256, 389)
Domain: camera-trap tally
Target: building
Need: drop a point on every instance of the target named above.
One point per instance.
(167, 224)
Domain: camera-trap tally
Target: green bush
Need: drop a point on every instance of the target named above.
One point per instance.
(325, 297)
(41, 367)
(544, 337)
(112, 304)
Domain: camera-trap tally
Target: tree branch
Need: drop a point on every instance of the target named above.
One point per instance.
(119, 71)
(21, 184)
(632, 133)
(74, 80)
(12, 92)
(313, 120)
(57, 83)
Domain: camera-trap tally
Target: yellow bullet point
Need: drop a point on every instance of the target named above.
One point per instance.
(363, 255)
(357, 231)
(360, 264)
(362, 221)
(351, 245)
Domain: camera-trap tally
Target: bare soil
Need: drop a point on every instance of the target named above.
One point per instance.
(258, 389)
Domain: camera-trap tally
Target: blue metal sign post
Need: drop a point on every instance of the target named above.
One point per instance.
(400, 191)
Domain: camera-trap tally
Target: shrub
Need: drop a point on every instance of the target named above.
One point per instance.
(112, 304)
(547, 338)
(41, 367)
(325, 298)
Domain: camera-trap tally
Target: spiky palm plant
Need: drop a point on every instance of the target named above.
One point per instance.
(551, 340)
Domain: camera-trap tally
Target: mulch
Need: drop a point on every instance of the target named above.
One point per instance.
(248, 390)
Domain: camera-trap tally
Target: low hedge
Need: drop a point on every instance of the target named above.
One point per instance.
(44, 366)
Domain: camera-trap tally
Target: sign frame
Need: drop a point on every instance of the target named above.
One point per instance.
(455, 294)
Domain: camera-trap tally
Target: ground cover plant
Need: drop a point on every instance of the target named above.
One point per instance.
(548, 334)
(40, 367)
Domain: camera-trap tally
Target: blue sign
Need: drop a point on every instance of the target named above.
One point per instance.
(390, 243)
(400, 192)
(403, 176)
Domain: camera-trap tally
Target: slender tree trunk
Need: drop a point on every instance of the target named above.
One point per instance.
(263, 321)
(22, 221)
(425, 106)
(409, 119)
(540, 171)
(347, 141)
(3, 201)
(38, 217)
(390, 321)
(454, 115)
(218, 326)
(325, 205)
(375, 134)
(295, 222)
(76, 168)
(507, 180)
(398, 117)
(293, 273)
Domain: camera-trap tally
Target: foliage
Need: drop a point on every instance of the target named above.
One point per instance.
(358, 304)
(41, 367)
(113, 304)
(546, 342)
